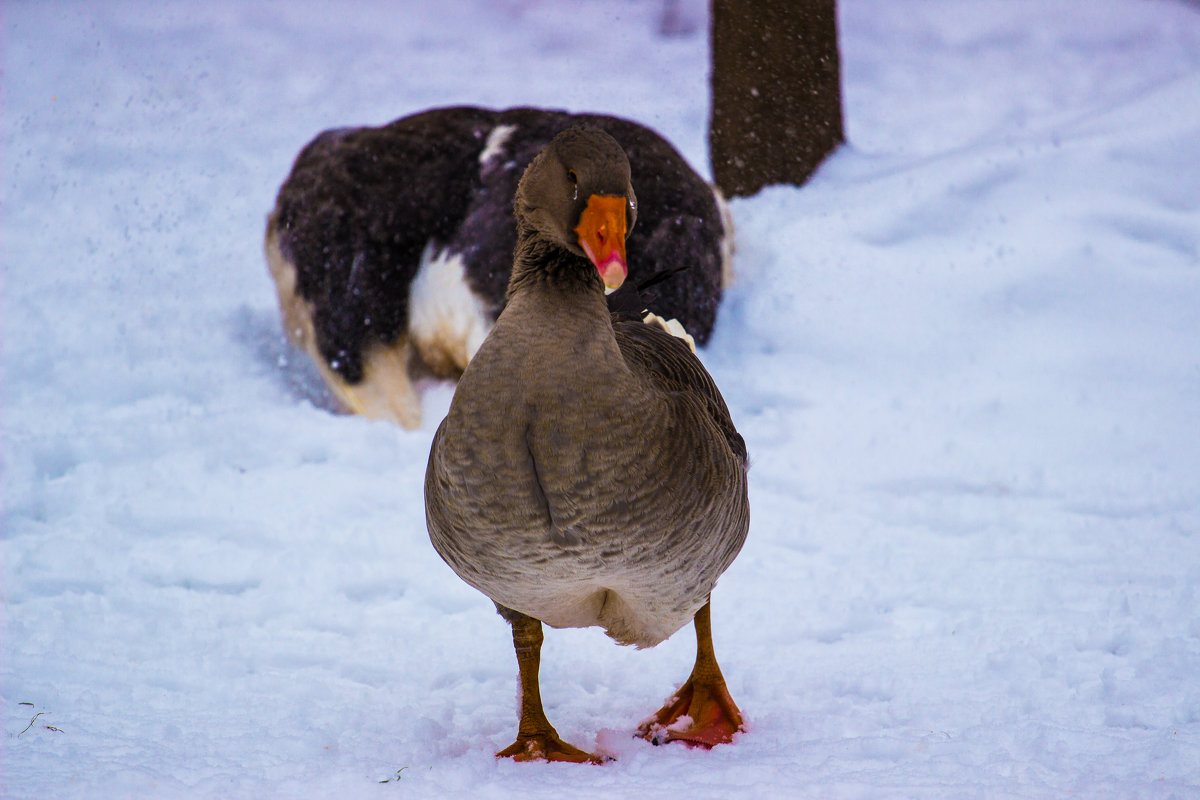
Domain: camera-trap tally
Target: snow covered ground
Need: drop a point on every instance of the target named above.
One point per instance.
(966, 359)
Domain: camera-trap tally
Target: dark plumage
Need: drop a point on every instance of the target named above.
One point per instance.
(391, 247)
(588, 471)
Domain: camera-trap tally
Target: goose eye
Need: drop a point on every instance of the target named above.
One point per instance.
(572, 177)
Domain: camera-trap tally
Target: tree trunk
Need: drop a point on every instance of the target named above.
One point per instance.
(776, 91)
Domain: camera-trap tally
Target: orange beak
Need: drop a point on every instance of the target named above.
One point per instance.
(601, 232)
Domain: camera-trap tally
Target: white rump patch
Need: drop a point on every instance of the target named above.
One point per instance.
(727, 240)
(495, 143)
(446, 321)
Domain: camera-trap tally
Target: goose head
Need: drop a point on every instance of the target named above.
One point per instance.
(577, 194)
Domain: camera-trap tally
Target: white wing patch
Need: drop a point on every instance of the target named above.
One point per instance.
(447, 321)
(671, 326)
(494, 145)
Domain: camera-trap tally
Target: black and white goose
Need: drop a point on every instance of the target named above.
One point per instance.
(391, 247)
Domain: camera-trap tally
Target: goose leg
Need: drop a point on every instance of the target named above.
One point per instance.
(536, 738)
(701, 712)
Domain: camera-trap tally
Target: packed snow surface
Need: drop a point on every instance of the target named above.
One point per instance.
(965, 357)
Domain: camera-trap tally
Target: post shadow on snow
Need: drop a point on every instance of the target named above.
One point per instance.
(260, 337)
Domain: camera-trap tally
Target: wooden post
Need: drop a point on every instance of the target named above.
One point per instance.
(776, 92)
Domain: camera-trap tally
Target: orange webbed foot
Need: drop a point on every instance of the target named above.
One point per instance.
(700, 714)
(547, 747)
